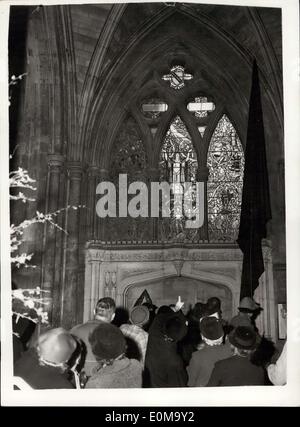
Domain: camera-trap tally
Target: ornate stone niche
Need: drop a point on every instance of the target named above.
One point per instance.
(193, 273)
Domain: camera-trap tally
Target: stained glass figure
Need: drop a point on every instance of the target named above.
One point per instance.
(128, 154)
(178, 164)
(225, 161)
(201, 107)
(153, 108)
(178, 160)
(177, 77)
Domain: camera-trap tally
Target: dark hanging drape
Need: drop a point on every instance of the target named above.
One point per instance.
(255, 209)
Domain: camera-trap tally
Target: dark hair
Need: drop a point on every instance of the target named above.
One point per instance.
(109, 302)
(164, 309)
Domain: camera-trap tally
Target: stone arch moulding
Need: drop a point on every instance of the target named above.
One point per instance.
(209, 278)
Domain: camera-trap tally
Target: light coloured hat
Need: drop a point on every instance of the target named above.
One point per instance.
(56, 346)
(248, 303)
(139, 315)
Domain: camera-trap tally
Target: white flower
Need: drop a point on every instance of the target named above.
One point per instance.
(29, 304)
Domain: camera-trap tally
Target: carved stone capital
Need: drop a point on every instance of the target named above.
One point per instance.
(103, 174)
(55, 162)
(74, 171)
(93, 171)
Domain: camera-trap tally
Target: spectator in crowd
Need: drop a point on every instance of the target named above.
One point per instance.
(139, 316)
(192, 340)
(152, 313)
(238, 370)
(213, 307)
(104, 313)
(248, 309)
(277, 371)
(213, 349)
(113, 369)
(164, 366)
(45, 366)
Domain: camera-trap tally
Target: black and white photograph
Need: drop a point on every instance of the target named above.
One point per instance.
(149, 211)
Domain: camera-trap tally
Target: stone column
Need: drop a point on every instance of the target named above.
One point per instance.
(93, 179)
(202, 176)
(102, 175)
(51, 260)
(153, 174)
(71, 307)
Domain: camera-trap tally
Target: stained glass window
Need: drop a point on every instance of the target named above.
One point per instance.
(225, 161)
(153, 108)
(128, 154)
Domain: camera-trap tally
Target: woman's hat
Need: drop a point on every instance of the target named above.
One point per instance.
(211, 328)
(56, 346)
(243, 337)
(107, 342)
(139, 315)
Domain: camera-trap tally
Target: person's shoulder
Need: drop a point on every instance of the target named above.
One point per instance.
(134, 363)
(90, 324)
(225, 362)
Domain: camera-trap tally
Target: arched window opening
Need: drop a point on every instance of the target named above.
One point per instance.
(178, 160)
(225, 161)
(178, 166)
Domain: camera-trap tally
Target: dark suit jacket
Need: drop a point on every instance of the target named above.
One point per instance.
(236, 371)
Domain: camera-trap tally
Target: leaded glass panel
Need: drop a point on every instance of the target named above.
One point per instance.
(225, 161)
(153, 108)
(178, 164)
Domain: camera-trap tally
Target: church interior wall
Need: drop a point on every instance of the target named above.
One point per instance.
(87, 67)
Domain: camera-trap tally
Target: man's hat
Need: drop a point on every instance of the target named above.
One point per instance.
(248, 303)
(213, 305)
(211, 328)
(244, 338)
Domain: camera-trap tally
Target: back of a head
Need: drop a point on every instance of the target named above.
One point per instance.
(198, 311)
(56, 346)
(165, 309)
(211, 330)
(244, 339)
(213, 304)
(105, 309)
(107, 342)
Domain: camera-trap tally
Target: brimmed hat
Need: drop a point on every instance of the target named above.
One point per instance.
(248, 303)
(243, 337)
(107, 342)
(211, 328)
(139, 315)
(213, 305)
(56, 346)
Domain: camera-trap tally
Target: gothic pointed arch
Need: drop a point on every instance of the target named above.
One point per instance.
(225, 162)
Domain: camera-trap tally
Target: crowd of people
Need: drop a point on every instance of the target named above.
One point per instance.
(153, 348)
